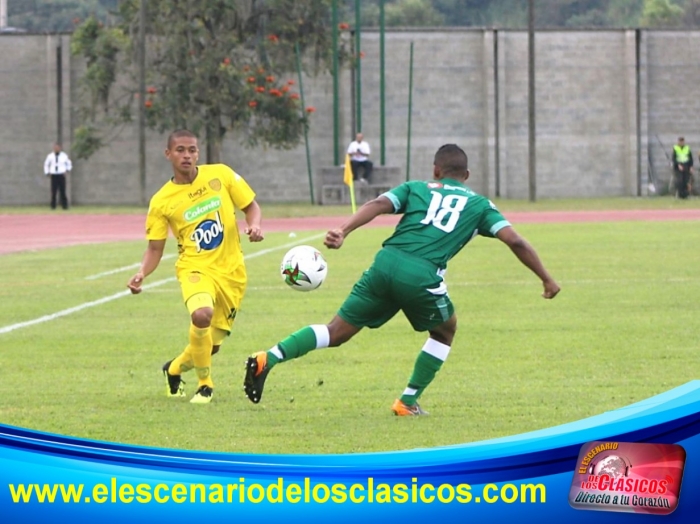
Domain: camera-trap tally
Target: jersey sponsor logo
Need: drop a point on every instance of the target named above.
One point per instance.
(203, 208)
(434, 185)
(215, 184)
(194, 195)
(209, 234)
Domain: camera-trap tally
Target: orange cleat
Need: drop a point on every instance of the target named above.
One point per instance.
(403, 410)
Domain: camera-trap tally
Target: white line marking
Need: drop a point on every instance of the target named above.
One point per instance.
(104, 300)
(75, 309)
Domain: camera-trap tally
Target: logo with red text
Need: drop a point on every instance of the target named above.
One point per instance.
(628, 477)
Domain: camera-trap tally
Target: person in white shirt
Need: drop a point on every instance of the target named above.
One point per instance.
(360, 163)
(57, 165)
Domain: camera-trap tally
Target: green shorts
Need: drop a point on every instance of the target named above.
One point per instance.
(398, 281)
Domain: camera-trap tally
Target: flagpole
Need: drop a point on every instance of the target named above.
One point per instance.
(348, 179)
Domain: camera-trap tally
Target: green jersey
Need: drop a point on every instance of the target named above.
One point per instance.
(439, 218)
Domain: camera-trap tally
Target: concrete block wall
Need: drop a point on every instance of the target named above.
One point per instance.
(586, 113)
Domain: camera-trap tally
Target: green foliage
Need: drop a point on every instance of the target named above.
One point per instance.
(61, 15)
(100, 46)
(412, 13)
(498, 13)
(86, 142)
(223, 66)
(661, 13)
(52, 16)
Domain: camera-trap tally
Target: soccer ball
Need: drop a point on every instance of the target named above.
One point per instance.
(303, 268)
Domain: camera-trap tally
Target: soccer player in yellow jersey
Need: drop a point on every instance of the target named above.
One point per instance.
(198, 205)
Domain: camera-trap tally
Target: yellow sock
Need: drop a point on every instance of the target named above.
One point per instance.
(200, 348)
(182, 363)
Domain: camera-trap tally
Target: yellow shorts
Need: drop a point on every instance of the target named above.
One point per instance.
(226, 290)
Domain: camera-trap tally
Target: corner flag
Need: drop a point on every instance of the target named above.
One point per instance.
(347, 179)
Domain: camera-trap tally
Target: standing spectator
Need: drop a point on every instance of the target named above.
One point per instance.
(359, 152)
(682, 167)
(57, 165)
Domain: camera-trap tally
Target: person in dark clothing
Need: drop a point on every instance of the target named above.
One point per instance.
(682, 167)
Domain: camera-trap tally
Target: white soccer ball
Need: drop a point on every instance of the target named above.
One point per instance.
(303, 268)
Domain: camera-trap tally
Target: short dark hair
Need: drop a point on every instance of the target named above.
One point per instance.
(451, 159)
(179, 134)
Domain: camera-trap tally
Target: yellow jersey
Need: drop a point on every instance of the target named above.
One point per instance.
(202, 217)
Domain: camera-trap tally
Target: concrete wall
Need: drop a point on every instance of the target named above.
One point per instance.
(587, 115)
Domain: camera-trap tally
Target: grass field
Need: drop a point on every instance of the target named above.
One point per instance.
(624, 328)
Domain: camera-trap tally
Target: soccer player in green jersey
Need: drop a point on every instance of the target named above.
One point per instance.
(198, 205)
(439, 218)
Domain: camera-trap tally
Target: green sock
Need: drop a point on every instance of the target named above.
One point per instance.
(428, 363)
(298, 344)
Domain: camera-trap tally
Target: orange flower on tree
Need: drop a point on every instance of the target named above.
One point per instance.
(226, 61)
(270, 79)
(275, 92)
(252, 103)
(284, 89)
(260, 89)
(151, 90)
(148, 103)
(343, 26)
(294, 96)
(290, 82)
(273, 38)
(310, 109)
(251, 79)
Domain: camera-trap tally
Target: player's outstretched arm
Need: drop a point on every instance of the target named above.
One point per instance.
(528, 256)
(367, 212)
(151, 259)
(253, 219)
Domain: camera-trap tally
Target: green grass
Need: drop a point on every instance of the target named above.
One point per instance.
(622, 329)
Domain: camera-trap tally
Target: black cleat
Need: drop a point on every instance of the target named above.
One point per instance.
(175, 383)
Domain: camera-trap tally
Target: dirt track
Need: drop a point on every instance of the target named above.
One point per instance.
(43, 231)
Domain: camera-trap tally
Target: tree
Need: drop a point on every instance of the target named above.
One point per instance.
(214, 66)
(661, 13)
(40, 16)
(412, 13)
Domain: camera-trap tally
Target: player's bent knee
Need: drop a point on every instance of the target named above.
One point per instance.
(445, 332)
(202, 317)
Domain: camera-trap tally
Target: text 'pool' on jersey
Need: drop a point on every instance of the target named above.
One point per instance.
(209, 234)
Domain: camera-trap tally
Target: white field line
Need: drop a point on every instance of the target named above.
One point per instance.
(126, 293)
